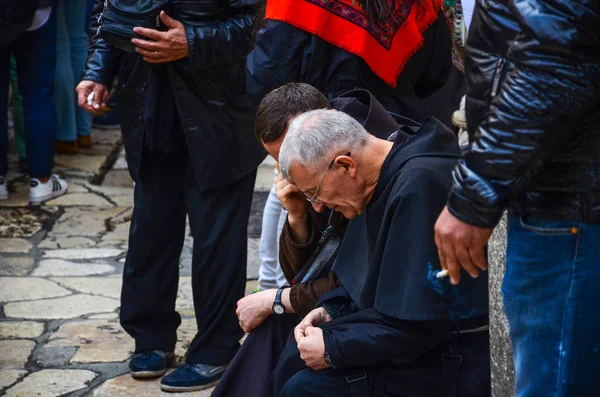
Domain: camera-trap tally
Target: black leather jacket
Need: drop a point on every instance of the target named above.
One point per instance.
(208, 87)
(533, 112)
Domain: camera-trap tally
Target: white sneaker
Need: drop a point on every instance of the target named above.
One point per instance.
(39, 191)
(3, 189)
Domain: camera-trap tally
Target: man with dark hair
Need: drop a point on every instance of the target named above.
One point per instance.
(186, 125)
(271, 121)
(280, 105)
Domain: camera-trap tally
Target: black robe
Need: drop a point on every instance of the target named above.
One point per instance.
(391, 315)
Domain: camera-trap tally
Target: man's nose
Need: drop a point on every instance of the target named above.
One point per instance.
(318, 206)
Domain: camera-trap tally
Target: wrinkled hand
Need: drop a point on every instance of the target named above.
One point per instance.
(164, 47)
(460, 245)
(312, 349)
(315, 317)
(84, 89)
(254, 309)
(291, 198)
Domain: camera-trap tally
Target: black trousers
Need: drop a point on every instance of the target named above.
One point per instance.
(166, 192)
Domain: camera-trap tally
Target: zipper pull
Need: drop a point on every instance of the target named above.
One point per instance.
(496, 81)
(158, 21)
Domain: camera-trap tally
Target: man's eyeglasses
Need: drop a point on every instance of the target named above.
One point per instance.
(313, 199)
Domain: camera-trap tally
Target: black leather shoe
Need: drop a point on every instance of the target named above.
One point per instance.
(192, 377)
(149, 364)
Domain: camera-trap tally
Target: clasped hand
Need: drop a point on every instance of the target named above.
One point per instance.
(310, 339)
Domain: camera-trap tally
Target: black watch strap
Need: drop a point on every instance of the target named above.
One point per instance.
(278, 295)
(278, 307)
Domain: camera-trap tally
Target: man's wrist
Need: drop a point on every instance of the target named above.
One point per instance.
(268, 300)
(299, 228)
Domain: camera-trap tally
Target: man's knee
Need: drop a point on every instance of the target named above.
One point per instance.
(299, 385)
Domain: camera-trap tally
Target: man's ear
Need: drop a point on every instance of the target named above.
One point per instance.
(347, 162)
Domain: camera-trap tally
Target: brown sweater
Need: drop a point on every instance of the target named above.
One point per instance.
(293, 256)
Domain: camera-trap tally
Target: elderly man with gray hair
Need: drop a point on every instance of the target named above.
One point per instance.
(391, 329)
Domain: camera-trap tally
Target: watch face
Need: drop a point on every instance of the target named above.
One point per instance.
(278, 309)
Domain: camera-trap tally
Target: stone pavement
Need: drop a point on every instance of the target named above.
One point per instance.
(60, 267)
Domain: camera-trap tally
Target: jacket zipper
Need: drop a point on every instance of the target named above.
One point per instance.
(497, 76)
(100, 18)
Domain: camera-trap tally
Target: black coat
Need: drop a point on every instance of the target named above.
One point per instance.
(533, 112)
(285, 53)
(208, 86)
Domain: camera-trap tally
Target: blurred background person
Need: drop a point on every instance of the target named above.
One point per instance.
(34, 50)
(73, 123)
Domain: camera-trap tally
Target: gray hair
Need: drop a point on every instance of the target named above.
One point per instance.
(314, 138)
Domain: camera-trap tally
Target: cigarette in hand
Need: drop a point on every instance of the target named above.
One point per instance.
(90, 98)
(442, 274)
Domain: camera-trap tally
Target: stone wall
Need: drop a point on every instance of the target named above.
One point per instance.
(503, 373)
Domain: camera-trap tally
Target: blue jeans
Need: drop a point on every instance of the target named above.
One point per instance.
(35, 55)
(71, 54)
(552, 300)
(270, 274)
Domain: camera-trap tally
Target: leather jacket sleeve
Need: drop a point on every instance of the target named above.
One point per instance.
(276, 59)
(550, 77)
(103, 60)
(224, 42)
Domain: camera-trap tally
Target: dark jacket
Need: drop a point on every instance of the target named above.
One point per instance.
(285, 54)
(47, 3)
(533, 112)
(208, 87)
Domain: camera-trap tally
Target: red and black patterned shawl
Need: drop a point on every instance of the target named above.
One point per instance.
(385, 46)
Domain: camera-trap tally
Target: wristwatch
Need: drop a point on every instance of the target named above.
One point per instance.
(278, 307)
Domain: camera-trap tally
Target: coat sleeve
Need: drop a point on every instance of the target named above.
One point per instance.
(293, 255)
(368, 338)
(103, 60)
(304, 296)
(552, 78)
(224, 42)
(277, 58)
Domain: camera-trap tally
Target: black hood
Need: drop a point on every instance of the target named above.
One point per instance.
(369, 112)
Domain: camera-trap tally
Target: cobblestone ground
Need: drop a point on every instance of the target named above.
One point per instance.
(60, 267)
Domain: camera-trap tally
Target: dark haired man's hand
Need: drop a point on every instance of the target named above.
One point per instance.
(297, 207)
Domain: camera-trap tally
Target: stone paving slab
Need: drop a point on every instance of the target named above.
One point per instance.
(51, 383)
(10, 376)
(15, 245)
(80, 200)
(59, 267)
(61, 308)
(28, 288)
(15, 353)
(84, 222)
(97, 341)
(20, 329)
(83, 253)
(15, 266)
(88, 164)
(66, 242)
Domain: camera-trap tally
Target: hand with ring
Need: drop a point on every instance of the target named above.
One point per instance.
(162, 47)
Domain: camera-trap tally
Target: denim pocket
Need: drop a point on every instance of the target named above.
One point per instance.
(548, 227)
